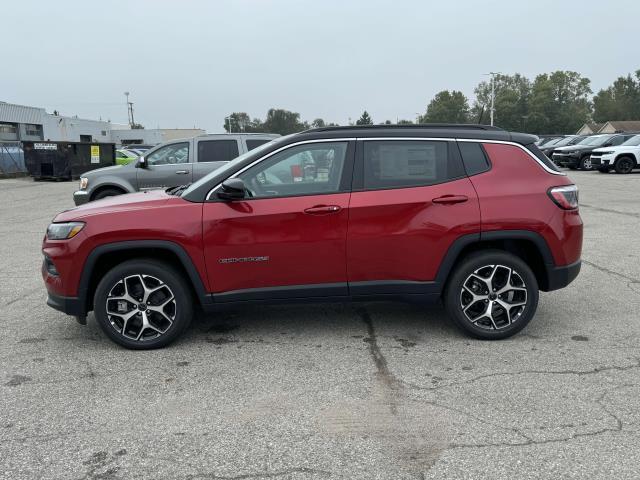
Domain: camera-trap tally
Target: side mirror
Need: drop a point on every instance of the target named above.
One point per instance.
(232, 189)
(141, 162)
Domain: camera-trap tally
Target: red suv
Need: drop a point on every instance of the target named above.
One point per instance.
(470, 214)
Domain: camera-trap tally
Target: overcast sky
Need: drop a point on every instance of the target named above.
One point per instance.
(190, 63)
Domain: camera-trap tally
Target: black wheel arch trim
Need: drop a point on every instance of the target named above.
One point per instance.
(97, 252)
(551, 271)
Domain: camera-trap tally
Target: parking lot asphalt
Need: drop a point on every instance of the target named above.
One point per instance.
(380, 390)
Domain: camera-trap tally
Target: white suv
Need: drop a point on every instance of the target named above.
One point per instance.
(623, 158)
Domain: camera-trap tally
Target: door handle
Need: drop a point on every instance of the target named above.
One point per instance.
(322, 209)
(450, 199)
(182, 172)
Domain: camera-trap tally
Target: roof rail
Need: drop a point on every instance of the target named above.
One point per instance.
(450, 126)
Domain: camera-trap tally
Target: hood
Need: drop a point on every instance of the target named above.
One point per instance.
(570, 148)
(106, 170)
(618, 148)
(119, 203)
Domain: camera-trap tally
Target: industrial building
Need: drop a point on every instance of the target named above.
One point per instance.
(24, 123)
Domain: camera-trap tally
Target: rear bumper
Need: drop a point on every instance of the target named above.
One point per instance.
(69, 305)
(560, 277)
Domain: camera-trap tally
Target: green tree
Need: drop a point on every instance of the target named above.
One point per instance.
(512, 93)
(405, 122)
(620, 101)
(318, 123)
(241, 122)
(283, 122)
(559, 103)
(364, 119)
(447, 107)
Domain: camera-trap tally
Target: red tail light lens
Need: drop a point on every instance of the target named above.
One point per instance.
(566, 197)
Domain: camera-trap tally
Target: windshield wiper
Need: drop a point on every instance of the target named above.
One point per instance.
(177, 191)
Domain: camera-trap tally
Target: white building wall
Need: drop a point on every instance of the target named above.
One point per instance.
(58, 128)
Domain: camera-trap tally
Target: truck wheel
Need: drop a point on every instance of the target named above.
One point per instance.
(624, 165)
(585, 163)
(107, 192)
(491, 295)
(143, 304)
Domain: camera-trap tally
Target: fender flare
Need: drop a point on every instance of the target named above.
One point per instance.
(97, 252)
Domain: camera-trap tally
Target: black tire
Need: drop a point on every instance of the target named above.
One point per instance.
(585, 163)
(107, 192)
(624, 165)
(152, 272)
(454, 298)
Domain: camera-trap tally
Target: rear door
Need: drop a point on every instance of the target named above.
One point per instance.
(167, 166)
(213, 153)
(411, 199)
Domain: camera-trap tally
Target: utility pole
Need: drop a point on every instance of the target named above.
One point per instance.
(129, 111)
(493, 94)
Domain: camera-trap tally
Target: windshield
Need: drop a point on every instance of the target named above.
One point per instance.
(553, 142)
(565, 141)
(632, 142)
(229, 166)
(595, 140)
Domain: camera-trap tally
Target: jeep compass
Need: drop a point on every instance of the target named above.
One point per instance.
(470, 215)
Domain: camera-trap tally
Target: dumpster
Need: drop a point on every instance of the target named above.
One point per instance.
(66, 160)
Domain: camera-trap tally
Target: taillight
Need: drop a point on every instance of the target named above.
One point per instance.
(566, 197)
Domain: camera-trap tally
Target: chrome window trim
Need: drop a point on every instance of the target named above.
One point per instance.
(502, 142)
(349, 139)
(303, 142)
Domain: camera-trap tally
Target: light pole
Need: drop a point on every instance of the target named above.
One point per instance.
(228, 119)
(493, 94)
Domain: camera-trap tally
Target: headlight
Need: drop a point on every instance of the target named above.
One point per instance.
(64, 231)
(605, 153)
(83, 183)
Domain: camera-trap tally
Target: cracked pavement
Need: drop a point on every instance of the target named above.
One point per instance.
(371, 391)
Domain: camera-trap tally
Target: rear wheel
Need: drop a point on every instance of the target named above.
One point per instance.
(585, 163)
(107, 192)
(143, 304)
(492, 295)
(624, 165)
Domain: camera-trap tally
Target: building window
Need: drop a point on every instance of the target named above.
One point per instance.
(33, 130)
(86, 138)
(104, 133)
(8, 128)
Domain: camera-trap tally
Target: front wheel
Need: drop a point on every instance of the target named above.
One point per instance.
(624, 165)
(492, 295)
(585, 163)
(143, 304)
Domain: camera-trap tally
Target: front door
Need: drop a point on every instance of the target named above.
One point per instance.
(166, 167)
(287, 238)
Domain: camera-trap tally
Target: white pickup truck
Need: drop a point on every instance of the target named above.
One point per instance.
(623, 158)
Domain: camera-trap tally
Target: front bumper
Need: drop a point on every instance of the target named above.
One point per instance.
(565, 160)
(80, 197)
(69, 305)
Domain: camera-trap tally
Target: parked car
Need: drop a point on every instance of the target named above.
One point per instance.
(546, 139)
(167, 165)
(473, 215)
(549, 148)
(124, 157)
(579, 156)
(623, 158)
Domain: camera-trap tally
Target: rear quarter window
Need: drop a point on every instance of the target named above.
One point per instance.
(474, 158)
(541, 156)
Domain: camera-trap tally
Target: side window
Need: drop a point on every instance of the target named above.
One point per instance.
(253, 143)
(217, 150)
(303, 170)
(174, 153)
(410, 163)
(474, 159)
(617, 140)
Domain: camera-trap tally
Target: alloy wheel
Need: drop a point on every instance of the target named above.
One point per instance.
(586, 164)
(141, 307)
(493, 297)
